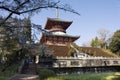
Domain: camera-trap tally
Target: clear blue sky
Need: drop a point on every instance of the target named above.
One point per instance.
(95, 15)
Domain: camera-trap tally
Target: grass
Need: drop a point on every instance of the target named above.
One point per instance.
(93, 76)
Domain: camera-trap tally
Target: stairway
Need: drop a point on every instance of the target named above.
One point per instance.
(31, 69)
(29, 72)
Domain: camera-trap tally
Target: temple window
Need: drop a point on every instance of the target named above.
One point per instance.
(115, 62)
(74, 62)
(70, 40)
(55, 39)
(50, 38)
(60, 39)
(62, 64)
(60, 43)
(66, 39)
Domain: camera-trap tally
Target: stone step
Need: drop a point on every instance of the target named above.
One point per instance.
(31, 69)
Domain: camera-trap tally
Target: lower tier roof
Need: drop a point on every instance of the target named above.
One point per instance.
(67, 51)
(44, 36)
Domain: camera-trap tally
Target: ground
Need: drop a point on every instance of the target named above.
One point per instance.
(24, 77)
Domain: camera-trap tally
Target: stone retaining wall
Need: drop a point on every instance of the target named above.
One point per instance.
(79, 62)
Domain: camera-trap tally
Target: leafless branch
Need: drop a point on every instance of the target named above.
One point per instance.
(27, 6)
(14, 11)
(7, 9)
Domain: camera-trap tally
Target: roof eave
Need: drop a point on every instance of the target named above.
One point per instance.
(53, 19)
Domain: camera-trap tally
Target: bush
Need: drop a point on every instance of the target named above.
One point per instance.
(45, 73)
(3, 78)
(9, 71)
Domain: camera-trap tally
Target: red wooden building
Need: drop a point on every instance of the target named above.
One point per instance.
(57, 32)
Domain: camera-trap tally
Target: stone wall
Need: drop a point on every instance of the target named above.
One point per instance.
(79, 62)
(85, 62)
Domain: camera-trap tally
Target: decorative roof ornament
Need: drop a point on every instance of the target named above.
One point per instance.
(57, 13)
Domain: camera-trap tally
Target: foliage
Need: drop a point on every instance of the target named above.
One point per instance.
(9, 72)
(28, 29)
(103, 34)
(45, 73)
(95, 42)
(102, 41)
(13, 37)
(7, 41)
(3, 78)
(115, 43)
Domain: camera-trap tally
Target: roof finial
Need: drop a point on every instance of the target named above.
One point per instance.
(57, 13)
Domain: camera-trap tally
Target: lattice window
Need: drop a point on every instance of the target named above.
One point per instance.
(115, 62)
(74, 62)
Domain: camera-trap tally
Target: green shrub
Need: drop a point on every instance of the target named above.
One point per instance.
(9, 71)
(45, 73)
(3, 78)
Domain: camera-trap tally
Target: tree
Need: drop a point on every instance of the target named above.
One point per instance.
(103, 36)
(28, 29)
(95, 42)
(14, 35)
(114, 45)
(30, 6)
(7, 42)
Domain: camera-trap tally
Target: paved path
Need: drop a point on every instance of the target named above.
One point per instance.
(24, 77)
(28, 73)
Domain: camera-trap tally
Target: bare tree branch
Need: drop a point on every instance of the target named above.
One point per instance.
(13, 12)
(26, 6)
(17, 1)
(7, 9)
(49, 5)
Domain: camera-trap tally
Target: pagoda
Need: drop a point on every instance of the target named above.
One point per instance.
(56, 37)
(57, 32)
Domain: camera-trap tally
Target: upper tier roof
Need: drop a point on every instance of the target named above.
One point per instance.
(57, 21)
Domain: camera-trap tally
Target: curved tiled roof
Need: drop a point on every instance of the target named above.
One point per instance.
(59, 50)
(65, 51)
(56, 21)
(95, 52)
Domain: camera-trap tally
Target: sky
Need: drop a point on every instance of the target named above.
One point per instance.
(95, 15)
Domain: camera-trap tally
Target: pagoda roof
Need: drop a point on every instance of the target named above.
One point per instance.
(57, 50)
(98, 52)
(57, 21)
(63, 35)
(64, 51)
